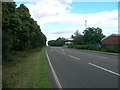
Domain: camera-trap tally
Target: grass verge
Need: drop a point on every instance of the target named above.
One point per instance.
(29, 69)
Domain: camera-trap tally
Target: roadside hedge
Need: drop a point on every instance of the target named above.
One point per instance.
(104, 48)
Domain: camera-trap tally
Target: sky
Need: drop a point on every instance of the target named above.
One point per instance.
(61, 18)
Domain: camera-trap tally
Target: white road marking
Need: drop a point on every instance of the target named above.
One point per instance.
(104, 69)
(74, 57)
(53, 71)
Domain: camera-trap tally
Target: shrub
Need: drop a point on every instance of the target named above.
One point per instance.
(112, 48)
(105, 48)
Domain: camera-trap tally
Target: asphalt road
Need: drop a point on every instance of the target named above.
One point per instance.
(83, 69)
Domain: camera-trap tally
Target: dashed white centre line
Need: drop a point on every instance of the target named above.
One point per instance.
(74, 57)
(104, 69)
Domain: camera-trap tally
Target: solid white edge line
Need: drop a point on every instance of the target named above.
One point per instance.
(104, 69)
(74, 57)
(54, 74)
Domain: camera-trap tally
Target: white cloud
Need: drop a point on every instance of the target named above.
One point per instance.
(48, 8)
(64, 0)
(104, 20)
(92, 18)
(48, 12)
(62, 32)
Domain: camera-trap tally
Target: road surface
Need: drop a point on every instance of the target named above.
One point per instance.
(83, 69)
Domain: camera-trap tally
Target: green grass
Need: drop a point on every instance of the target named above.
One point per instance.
(29, 69)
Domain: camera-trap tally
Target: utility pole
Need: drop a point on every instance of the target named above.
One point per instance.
(85, 24)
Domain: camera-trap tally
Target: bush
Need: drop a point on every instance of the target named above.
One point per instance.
(105, 48)
(89, 47)
(112, 48)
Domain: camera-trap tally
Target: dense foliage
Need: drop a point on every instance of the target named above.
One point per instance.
(91, 40)
(77, 38)
(104, 48)
(20, 31)
(90, 35)
(58, 42)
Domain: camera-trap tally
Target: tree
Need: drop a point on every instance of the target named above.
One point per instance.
(8, 10)
(77, 38)
(58, 42)
(30, 35)
(20, 31)
(51, 43)
(77, 33)
(92, 35)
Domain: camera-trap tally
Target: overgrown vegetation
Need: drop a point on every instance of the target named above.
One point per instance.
(58, 42)
(20, 31)
(106, 48)
(30, 71)
(24, 66)
(91, 40)
(90, 35)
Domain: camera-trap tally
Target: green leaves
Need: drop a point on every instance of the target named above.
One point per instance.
(90, 35)
(77, 38)
(20, 31)
(93, 35)
(58, 42)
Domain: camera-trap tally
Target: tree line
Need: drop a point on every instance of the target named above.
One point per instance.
(91, 40)
(90, 35)
(58, 42)
(19, 30)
